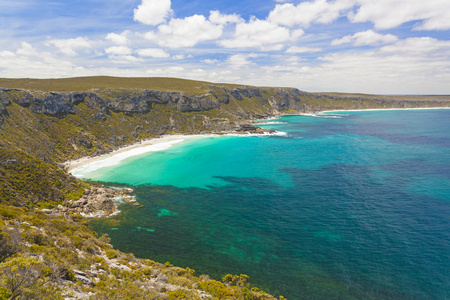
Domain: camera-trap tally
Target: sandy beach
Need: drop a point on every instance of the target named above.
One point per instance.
(375, 109)
(84, 165)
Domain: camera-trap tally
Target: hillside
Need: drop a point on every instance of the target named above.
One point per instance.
(44, 122)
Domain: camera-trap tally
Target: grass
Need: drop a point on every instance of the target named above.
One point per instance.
(78, 84)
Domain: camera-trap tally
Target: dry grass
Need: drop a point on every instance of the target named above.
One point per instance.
(106, 82)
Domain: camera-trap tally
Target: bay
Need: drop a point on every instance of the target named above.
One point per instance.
(340, 205)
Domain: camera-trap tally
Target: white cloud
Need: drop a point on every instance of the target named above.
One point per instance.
(364, 38)
(68, 46)
(238, 61)
(384, 14)
(7, 54)
(177, 56)
(119, 39)
(26, 50)
(260, 33)
(125, 59)
(392, 13)
(186, 32)
(296, 49)
(419, 46)
(153, 52)
(118, 50)
(210, 61)
(410, 66)
(217, 18)
(305, 13)
(153, 12)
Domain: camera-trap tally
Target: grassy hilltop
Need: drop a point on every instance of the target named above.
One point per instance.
(44, 122)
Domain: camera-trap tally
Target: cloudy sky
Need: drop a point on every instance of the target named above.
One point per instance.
(369, 46)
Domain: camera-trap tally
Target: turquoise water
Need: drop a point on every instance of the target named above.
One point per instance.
(345, 205)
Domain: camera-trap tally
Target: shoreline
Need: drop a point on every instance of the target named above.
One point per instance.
(376, 109)
(164, 142)
(116, 156)
(86, 164)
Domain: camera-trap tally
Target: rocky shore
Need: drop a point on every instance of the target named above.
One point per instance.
(97, 202)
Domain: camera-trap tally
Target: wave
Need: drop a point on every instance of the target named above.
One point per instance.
(268, 123)
(266, 134)
(324, 115)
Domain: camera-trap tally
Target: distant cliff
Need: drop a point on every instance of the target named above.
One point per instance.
(54, 120)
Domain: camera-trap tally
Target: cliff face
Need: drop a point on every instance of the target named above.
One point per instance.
(53, 126)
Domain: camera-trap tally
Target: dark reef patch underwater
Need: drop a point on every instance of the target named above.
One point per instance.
(346, 205)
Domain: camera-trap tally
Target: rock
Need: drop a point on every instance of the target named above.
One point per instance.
(26, 99)
(136, 107)
(83, 279)
(162, 278)
(244, 92)
(56, 104)
(78, 272)
(220, 93)
(194, 103)
(246, 127)
(235, 93)
(102, 203)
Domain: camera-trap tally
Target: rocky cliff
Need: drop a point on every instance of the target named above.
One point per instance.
(55, 120)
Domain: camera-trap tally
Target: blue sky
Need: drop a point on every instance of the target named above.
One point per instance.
(361, 46)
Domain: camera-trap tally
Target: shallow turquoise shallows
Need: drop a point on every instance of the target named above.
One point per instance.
(340, 205)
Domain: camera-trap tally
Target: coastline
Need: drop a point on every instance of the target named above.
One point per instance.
(79, 166)
(376, 109)
(116, 156)
(166, 141)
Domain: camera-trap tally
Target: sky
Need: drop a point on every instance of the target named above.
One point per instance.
(353, 46)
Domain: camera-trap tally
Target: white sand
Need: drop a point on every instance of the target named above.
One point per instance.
(375, 109)
(84, 165)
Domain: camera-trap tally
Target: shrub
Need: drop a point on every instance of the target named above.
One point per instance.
(19, 274)
(215, 288)
(9, 243)
(111, 254)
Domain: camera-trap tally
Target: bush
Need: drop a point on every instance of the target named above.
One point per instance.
(111, 254)
(9, 243)
(19, 274)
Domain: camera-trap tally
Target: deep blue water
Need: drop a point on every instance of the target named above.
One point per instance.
(346, 205)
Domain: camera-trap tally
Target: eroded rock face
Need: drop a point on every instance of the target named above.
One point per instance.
(194, 103)
(59, 104)
(141, 102)
(26, 99)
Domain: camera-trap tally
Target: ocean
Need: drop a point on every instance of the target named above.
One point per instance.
(337, 205)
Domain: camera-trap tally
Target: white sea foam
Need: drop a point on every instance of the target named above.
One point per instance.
(268, 123)
(323, 115)
(265, 134)
(117, 158)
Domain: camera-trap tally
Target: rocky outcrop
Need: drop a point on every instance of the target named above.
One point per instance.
(97, 202)
(4, 101)
(252, 129)
(140, 102)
